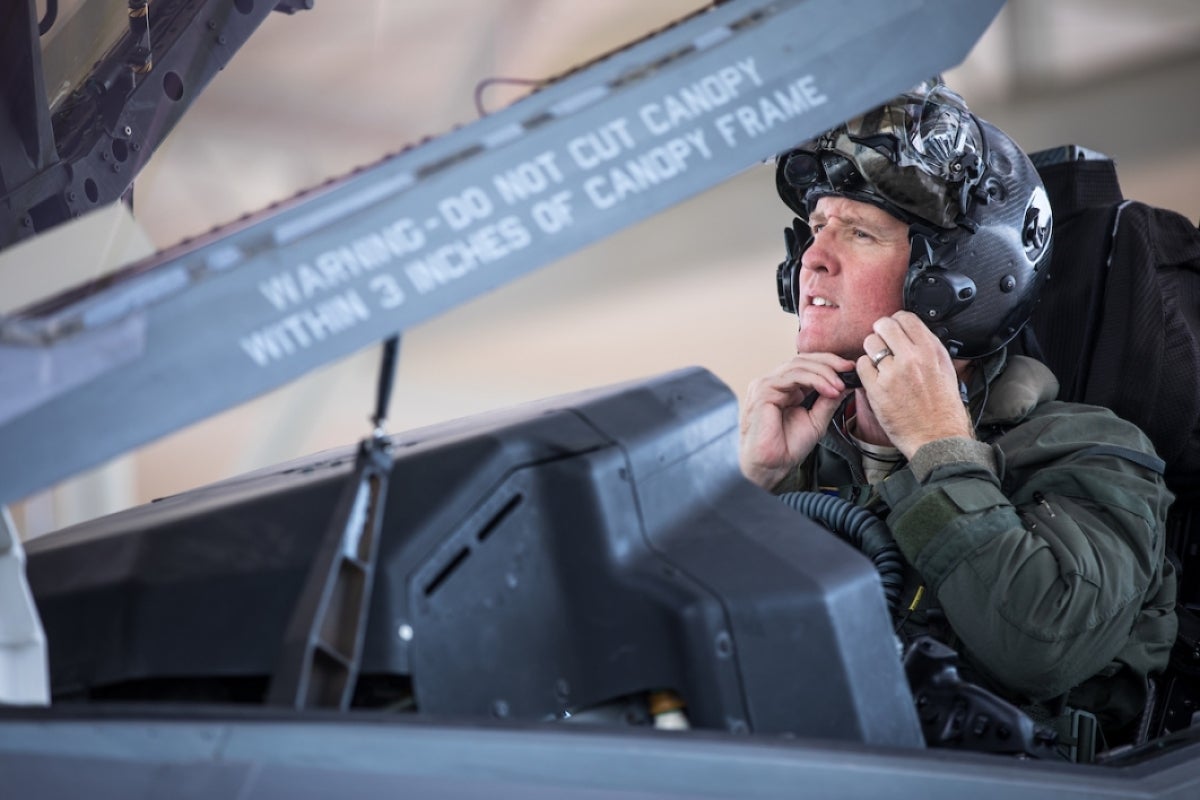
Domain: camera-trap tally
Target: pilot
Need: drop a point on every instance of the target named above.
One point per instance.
(1033, 529)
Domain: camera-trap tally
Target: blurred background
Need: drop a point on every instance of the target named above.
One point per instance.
(315, 94)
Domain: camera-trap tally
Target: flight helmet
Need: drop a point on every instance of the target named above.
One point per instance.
(980, 224)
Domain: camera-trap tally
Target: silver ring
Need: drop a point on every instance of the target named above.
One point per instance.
(880, 356)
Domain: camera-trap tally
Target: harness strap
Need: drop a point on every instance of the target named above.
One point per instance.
(1142, 459)
(1078, 731)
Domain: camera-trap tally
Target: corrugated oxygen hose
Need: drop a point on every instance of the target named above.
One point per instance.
(862, 529)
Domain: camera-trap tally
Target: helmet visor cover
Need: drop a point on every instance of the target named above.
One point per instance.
(918, 157)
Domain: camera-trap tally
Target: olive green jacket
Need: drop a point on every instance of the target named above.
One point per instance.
(1043, 543)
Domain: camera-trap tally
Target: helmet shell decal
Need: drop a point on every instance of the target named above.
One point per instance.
(1038, 224)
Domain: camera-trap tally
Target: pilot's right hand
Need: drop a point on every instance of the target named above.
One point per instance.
(777, 431)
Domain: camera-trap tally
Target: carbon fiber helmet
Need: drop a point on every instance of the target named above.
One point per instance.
(980, 224)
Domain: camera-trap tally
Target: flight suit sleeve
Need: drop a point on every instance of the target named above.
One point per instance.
(1044, 559)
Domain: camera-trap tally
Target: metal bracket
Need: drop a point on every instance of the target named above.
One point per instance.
(86, 152)
(322, 649)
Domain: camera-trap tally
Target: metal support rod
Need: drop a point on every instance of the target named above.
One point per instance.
(387, 376)
(318, 665)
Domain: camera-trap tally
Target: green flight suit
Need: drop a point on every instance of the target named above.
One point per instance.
(1042, 543)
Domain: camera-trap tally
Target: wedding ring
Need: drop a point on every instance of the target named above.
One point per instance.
(880, 356)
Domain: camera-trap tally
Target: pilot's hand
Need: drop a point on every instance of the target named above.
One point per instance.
(777, 432)
(911, 384)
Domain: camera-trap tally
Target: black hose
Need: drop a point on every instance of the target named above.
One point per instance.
(861, 528)
(47, 22)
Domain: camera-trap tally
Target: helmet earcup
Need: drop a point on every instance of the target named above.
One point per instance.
(796, 240)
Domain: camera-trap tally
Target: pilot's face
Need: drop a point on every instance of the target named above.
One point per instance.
(851, 275)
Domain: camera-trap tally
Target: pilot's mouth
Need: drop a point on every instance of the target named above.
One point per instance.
(822, 302)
